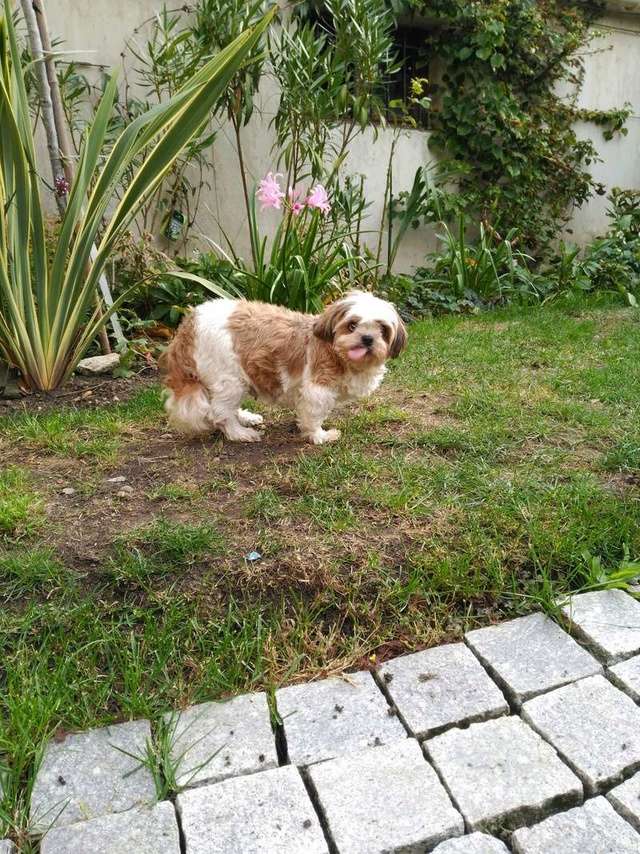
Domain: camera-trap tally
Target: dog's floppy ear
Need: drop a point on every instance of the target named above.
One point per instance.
(399, 340)
(325, 325)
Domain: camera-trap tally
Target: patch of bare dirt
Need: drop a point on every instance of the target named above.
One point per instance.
(417, 411)
(622, 483)
(217, 479)
(85, 523)
(609, 319)
(81, 393)
(578, 454)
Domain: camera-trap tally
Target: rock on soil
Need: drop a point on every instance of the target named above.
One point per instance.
(98, 364)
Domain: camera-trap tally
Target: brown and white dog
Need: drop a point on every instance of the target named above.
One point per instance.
(227, 348)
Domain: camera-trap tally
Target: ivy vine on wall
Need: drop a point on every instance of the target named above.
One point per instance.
(500, 118)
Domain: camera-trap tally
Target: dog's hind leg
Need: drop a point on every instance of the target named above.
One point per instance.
(249, 419)
(224, 412)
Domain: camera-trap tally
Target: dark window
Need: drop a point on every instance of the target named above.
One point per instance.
(414, 63)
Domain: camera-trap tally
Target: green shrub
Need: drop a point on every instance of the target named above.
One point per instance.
(467, 276)
(503, 120)
(612, 262)
(48, 316)
(159, 295)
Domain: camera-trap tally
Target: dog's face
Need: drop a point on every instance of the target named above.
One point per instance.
(364, 330)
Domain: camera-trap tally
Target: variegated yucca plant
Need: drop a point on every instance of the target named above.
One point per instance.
(48, 314)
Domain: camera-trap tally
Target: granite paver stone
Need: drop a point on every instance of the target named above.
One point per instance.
(325, 719)
(138, 831)
(608, 620)
(213, 741)
(475, 843)
(594, 828)
(265, 813)
(531, 655)
(7, 847)
(500, 773)
(89, 774)
(626, 676)
(625, 798)
(593, 726)
(384, 800)
(441, 687)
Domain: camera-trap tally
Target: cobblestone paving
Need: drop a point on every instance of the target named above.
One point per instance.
(523, 739)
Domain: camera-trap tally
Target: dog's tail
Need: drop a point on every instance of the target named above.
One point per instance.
(187, 402)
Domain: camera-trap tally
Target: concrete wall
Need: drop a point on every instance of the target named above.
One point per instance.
(612, 77)
(96, 33)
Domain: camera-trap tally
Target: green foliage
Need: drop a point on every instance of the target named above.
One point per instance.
(470, 275)
(165, 297)
(180, 42)
(428, 201)
(364, 45)
(169, 299)
(501, 121)
(612, 121)
(612, 262)
(157, 290)
(164, 62)
(311, 81)
(332, 78)
(467, 276)
(213, 25)
(48, 317)
(300, 266)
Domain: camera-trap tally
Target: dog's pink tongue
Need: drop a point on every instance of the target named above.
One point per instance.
(357, 353)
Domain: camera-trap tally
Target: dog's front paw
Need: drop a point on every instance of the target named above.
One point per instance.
(243, 434)
(321, 437)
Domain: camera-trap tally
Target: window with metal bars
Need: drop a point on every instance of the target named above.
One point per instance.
(413, 62)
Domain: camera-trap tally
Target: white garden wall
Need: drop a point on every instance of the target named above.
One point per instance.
(612, 77)
(97, 32)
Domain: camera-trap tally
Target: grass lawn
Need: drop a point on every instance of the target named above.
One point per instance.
(499, 466)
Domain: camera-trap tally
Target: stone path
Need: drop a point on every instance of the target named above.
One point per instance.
(518, 740)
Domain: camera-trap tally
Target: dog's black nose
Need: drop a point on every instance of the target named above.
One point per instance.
(367, 340)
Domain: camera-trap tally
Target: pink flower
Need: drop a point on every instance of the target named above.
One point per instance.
(296, 206)
(318, 198)
(269, 192)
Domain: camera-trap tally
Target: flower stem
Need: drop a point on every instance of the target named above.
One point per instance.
(243, 175)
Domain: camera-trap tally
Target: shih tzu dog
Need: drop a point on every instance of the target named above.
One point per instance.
(226, 349)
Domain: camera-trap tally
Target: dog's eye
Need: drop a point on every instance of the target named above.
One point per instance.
(386, 332)
(352, 326)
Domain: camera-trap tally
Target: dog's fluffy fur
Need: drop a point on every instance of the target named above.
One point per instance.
(227, 348)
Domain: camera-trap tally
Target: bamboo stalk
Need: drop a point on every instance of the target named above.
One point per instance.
(44, 94)
(65, 151)
(64, 143)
